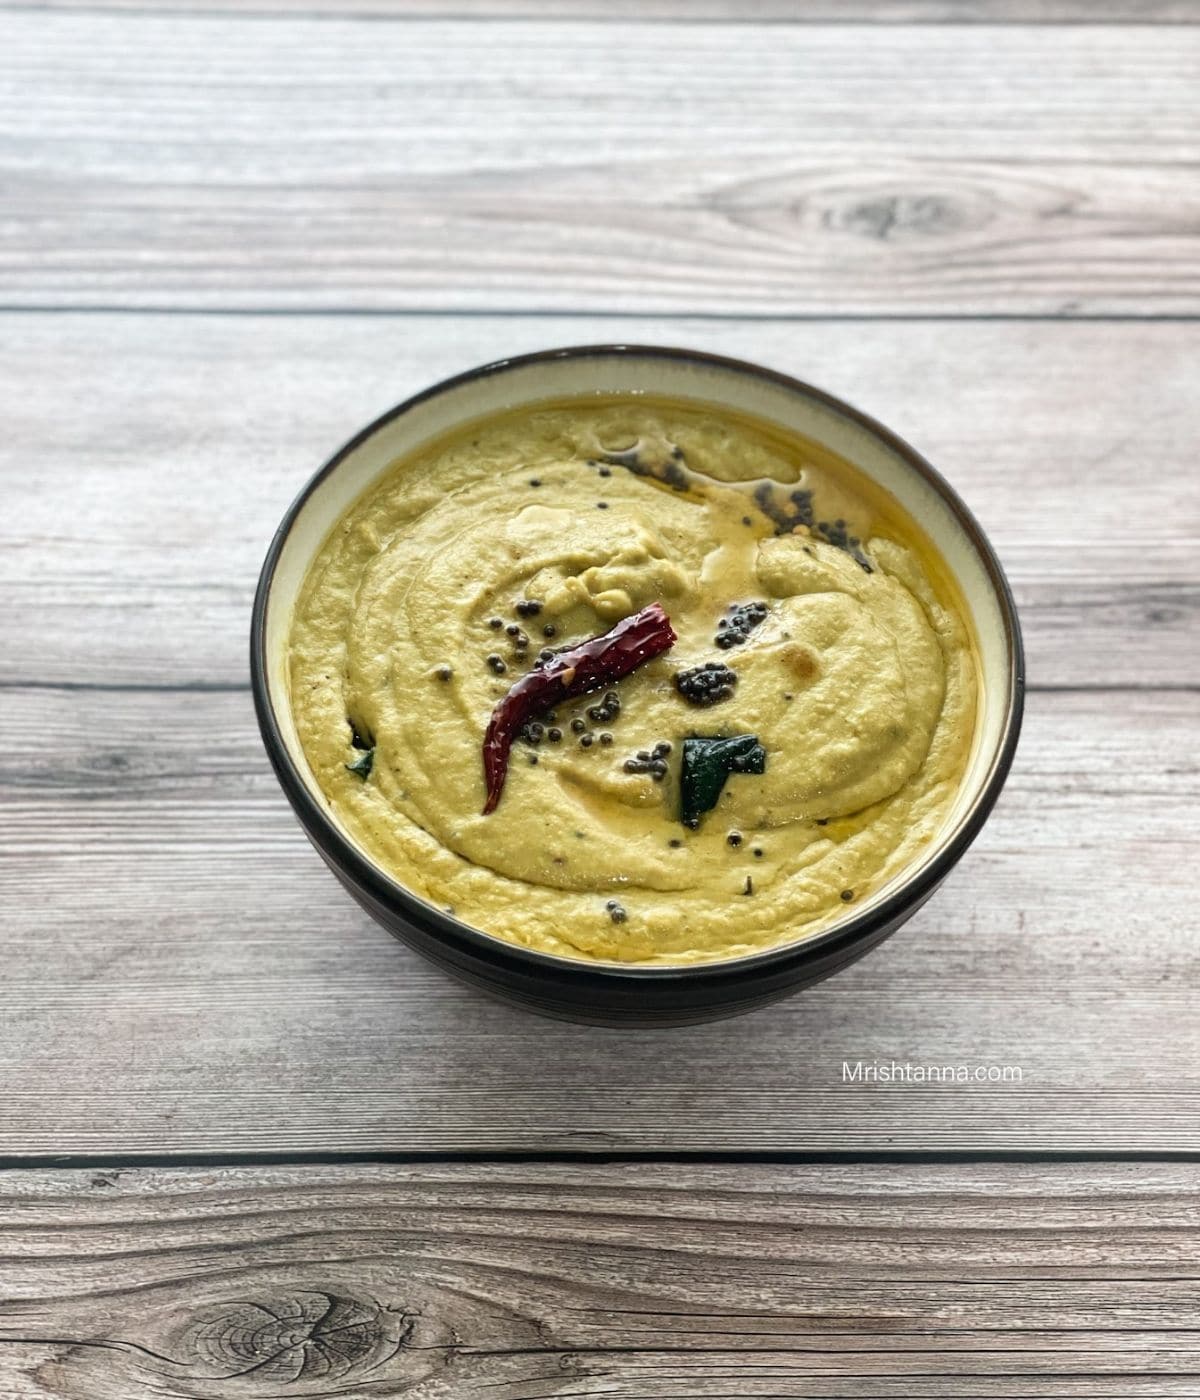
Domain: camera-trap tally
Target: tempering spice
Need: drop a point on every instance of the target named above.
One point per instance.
(578, 670)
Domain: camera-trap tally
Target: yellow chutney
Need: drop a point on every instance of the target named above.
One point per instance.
(815, 626)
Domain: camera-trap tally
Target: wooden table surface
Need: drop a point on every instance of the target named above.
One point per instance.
(253, 1148)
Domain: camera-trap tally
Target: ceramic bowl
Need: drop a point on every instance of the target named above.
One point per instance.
(614, 993)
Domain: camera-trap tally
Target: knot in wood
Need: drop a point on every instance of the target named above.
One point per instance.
(893, 217)
(293, 1341)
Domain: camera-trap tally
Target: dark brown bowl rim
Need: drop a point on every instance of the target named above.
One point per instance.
(908, 892)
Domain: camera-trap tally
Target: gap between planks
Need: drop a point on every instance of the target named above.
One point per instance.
(1049, 1158)
(520, 313)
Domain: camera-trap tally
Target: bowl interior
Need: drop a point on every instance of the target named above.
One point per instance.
(617, 370)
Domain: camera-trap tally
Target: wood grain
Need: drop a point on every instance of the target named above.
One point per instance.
(298, 162)
(181, 975)
(648, 1281)
(184, 975)
(138, 510)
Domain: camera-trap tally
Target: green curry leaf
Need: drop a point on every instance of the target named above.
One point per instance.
(362, 764)
(706, 765)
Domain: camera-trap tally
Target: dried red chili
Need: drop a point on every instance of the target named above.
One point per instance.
(576, 671)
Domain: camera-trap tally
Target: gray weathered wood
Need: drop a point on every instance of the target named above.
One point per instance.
(147, 460)
(648, 1281)
(235, 160)
(182, 975)
(1096, 12)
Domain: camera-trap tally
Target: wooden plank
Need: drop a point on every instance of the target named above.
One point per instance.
(138, 511)
(1095, 12)
(235, 160)
(182, 974)
(639, 1281)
